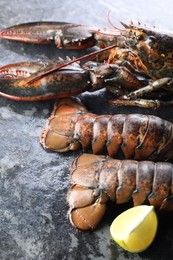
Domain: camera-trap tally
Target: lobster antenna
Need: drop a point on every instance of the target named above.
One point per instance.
(45, 73)
(109, 20)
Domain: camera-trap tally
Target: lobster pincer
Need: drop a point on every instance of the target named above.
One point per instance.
(15, 81)
(63, 35)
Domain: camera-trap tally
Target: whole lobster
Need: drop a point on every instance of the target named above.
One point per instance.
(96, 179)
(134, 136)
(138, 61)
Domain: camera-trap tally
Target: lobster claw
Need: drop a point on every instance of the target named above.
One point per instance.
(16, 81)
(63, 35)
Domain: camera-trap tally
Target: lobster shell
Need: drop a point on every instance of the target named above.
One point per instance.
(95, 179)
(136, 136)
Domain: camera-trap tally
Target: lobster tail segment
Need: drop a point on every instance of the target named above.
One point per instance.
(87, 203)
(58, 133)
(87, 218)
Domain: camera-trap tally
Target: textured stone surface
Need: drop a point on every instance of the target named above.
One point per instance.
(33, 183)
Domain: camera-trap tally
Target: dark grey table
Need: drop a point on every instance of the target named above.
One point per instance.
(33, 182)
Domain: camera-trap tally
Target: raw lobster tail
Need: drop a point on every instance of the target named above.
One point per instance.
(71, 127)
(96, 179)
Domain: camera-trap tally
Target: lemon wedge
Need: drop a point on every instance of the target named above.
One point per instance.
(135, 229)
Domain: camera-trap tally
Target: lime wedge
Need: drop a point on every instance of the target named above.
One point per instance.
(135, 229)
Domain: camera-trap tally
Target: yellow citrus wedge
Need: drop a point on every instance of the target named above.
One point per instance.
(135, 229)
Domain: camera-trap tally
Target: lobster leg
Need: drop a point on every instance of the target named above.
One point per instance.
(156, 85)
(133, 98)
(144, 103)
